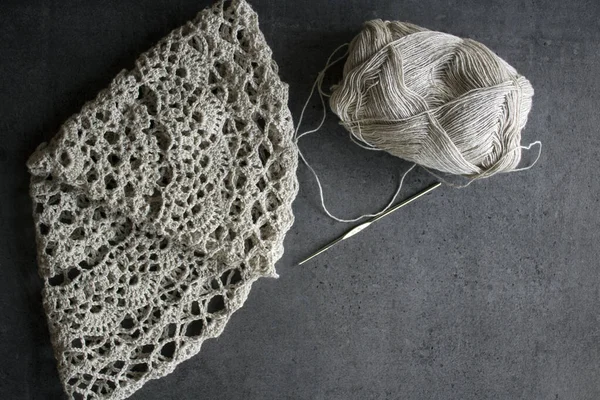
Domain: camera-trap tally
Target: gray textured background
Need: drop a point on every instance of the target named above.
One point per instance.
(489, 292)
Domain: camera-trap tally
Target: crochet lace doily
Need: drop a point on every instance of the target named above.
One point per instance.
(159, 204)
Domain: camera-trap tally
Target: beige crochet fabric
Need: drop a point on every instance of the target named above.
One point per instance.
(161, 202)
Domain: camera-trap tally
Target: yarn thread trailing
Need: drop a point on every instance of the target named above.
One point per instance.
(444, 103)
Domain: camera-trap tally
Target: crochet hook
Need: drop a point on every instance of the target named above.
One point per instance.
(364, 225)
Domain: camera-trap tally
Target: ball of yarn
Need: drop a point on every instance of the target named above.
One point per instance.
(437, 100)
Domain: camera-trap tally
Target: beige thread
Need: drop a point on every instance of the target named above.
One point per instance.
(447, 104)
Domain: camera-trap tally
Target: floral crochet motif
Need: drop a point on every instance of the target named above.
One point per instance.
(160, 203)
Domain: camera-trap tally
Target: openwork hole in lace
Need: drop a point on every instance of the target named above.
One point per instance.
(161, 202)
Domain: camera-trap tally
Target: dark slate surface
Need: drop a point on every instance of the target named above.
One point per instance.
(489, 292)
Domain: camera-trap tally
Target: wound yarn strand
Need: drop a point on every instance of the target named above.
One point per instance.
(447, 104)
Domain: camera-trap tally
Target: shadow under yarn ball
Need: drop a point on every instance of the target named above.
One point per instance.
(440, 101)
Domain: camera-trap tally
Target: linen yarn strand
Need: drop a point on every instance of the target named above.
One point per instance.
(447, 104)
